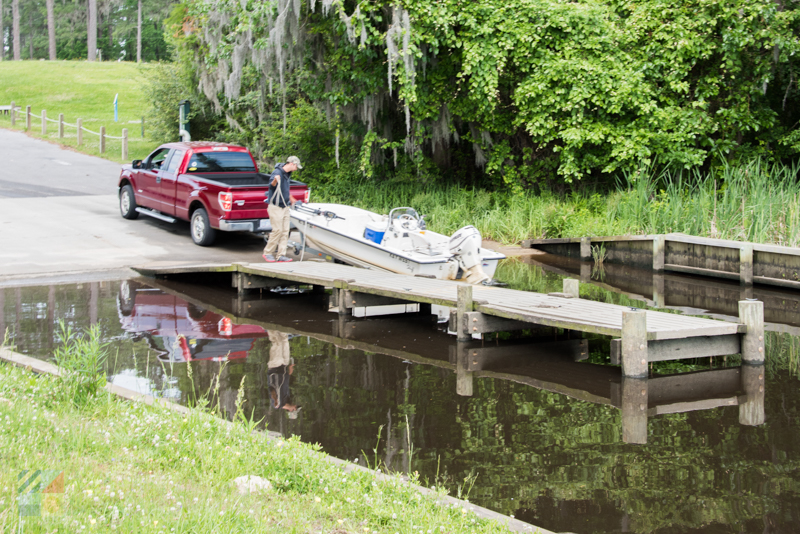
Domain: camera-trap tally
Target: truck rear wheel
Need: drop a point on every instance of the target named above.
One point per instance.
(127, 202)
(202, 233)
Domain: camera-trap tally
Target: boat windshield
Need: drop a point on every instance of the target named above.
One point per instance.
(404, 218)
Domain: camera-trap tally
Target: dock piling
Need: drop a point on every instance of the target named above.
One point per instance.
(751, 411)
(572, 287)
(586, 249)
(659, 247)
(463, 375)
(634, 410)
(463, 306)
(746, 264)
(751, 314)
(634, 343)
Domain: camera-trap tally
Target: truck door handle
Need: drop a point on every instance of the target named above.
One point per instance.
(158, 179)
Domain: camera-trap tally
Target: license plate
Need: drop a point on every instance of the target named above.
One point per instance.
(263, 223)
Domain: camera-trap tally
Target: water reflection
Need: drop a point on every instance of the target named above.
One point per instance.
(541, 425)
(180, 331)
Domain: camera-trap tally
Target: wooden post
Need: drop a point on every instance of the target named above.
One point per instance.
(124, 144)
(634, 410)
(102, 139)
(79, 124)
(586, 273)
(27, 118)
(60, 125)
(751, 412)
(463, 376)
(746, 264)
(751, 314)
(142, 126)
(634, 343)
(659, 248)
(13, 113)
(659, 297)
(586, 248)
(572, 287)
(342, 301)
(44, 122)
(464, 305)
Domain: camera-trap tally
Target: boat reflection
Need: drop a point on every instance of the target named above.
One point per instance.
(555, 366)
(181, 331)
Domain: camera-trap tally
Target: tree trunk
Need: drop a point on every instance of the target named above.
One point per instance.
(91, 29)
(110, 35)
(51, 28)
(2, 35)
(138, 34)
(30, 34)
(15, 30)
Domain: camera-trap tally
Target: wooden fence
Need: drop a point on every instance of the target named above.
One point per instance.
(29, 116)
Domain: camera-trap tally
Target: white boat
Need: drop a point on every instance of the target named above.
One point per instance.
(398, 243)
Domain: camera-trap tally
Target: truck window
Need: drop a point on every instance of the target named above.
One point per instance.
(156, 159)
(221, 162)
(175, 160)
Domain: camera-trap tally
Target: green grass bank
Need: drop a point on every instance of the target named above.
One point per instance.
(80, 89)
(130, 467)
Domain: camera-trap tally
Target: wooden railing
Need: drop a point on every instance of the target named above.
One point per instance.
(29, 116)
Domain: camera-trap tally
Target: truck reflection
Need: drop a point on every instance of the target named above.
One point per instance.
(179, 331)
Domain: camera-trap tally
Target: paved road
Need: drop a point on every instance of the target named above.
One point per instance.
(59, 219)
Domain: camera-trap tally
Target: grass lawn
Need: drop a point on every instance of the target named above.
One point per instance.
(130, 467)
(84, 90)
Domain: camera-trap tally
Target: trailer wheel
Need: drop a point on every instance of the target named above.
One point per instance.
(202, 233)
(127, 202)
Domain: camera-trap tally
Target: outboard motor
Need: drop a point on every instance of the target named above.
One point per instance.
(465, 245)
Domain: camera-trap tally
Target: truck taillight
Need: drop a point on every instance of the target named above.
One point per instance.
(307, 196)
(225, 201)
(225, 327)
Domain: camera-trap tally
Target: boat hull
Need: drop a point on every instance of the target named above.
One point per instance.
(355, 250)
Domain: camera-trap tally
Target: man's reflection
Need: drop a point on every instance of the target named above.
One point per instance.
(280, 368)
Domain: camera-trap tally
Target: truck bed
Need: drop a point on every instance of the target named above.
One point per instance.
(238, 179)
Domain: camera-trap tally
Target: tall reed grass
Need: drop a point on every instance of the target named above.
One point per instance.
(754, 201)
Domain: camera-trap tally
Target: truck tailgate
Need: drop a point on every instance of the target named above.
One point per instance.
(248, 203)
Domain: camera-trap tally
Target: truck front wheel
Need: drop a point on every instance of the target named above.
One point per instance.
(202, 233)
(127, 202)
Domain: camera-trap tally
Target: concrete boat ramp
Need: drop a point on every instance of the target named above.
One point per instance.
(640, 336)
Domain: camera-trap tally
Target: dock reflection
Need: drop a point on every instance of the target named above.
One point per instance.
(551, 365)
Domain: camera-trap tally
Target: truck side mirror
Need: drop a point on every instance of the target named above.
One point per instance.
(136, 164)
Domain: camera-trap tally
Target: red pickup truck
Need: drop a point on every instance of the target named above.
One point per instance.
(215, 186)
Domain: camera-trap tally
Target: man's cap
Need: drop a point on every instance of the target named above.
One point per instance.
(295, 160)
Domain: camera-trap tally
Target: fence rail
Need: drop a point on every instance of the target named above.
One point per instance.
(29, 116)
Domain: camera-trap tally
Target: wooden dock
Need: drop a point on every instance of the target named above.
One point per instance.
(719, 258)
(554, 366)
(643, 335)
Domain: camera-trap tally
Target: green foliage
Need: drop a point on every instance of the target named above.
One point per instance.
(540, 91)
(81, 358)
(166, 86)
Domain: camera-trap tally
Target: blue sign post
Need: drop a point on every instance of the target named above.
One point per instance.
(116, 115)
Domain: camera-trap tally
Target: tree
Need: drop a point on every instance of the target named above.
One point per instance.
(537, 89)
(15, 28)
(91, 30)
(51, 30)
(139, 31)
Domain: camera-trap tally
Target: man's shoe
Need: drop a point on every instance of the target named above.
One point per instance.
(269, 258)
(284, 259)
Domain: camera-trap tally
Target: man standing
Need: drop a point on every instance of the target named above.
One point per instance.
(279, 199)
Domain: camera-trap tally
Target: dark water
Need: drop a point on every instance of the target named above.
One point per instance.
(542, 435)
